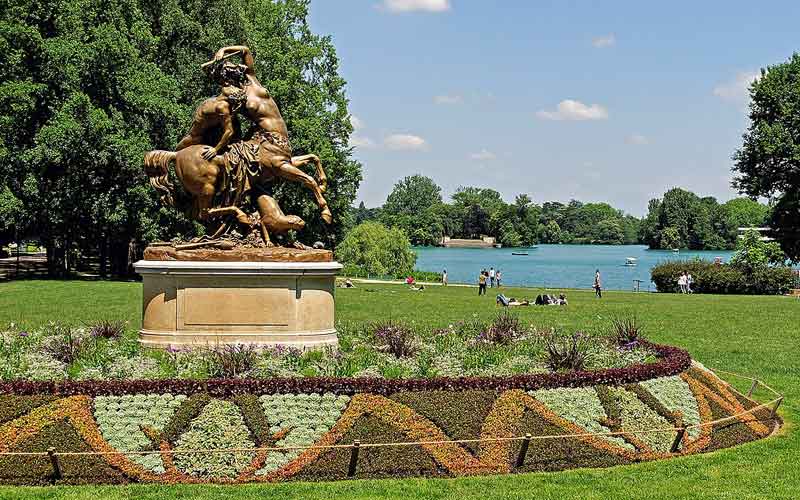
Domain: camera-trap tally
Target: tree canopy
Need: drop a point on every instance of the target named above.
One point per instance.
(377, 249)
(768, 163)
(681, 219)
(86, 88)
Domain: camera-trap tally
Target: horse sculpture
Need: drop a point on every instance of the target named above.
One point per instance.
(222, 183)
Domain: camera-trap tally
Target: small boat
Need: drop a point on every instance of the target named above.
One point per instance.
(630, 261)
(676, 250)
(519, 253)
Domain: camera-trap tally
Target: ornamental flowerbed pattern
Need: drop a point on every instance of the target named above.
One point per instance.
(170, 437)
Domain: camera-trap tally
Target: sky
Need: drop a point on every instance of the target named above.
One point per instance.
(612, 101)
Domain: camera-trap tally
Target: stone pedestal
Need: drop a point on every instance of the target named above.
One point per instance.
(253, 300)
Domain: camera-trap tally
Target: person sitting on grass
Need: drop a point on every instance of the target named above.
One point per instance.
(419, 288)
(347, 284)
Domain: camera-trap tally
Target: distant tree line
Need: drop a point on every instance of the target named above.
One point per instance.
(680, 219)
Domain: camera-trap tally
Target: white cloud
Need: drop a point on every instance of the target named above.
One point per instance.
(483, 155)
(416, 5)
(737, 90)
(356, 122)
(448, 99)
(637, 140)
(602, 42)
(574, 110)
(360, 141)
(405, 142)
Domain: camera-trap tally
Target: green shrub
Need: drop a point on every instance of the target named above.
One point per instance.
(723, 278)
(355, 271)
(377, 249)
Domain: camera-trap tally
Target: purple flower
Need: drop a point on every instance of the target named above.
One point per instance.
(23, 334)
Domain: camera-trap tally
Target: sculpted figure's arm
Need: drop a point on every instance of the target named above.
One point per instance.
(224, 110)
(247, 56)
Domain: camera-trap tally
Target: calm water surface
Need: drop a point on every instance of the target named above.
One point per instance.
(555, 266)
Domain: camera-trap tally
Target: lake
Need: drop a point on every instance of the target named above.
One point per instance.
(555, 266)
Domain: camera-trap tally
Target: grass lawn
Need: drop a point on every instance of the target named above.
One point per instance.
(748, 335)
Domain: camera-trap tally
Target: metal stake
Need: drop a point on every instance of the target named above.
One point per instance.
(51, 452)
(775, 408)
(523, 450)
(752, 388)
(678, 438)
(351, 469)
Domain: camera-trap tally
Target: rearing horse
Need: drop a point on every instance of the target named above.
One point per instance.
(200, 170)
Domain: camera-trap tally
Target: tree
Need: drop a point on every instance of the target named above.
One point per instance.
(377, 249)
(768, 163)
(87, 87)
(10, 212)
(413, 206)
(412, 195)
(739, 212)
(609, 231)
(552, 233)
(752, 253)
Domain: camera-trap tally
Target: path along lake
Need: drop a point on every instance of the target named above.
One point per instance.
(556, 266)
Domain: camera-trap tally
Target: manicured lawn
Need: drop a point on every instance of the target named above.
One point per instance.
(750, 335)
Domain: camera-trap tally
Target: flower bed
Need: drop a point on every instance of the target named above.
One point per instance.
(502, 347)
(301, 428)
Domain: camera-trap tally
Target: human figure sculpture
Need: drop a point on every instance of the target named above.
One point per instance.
(225, 178)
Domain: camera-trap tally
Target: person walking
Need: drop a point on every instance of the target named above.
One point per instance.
(682, 282)
(444, 277)
(482, 283)
(689, 282)
(598, 286)
(491, 277)
(498, 277)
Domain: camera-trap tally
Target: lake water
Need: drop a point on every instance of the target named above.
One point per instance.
(555, 266)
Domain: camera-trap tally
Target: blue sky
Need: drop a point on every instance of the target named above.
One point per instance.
(600, 101)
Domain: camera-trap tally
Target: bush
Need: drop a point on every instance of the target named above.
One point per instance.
(354, 271)
(503, 329)
(377, 250)
(396, 339)
(565, 353)
(626, 331)
(723, 278)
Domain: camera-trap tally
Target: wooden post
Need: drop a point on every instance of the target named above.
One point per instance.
(51, 452)
(752, 388)
(523, 450)
(351, 469)
(678, 438)
(774, 411)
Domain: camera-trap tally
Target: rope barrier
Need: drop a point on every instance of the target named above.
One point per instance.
(773, 405)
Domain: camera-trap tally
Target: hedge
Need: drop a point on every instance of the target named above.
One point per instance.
(723, 278)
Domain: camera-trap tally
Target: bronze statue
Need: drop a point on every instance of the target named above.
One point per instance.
(225, 178)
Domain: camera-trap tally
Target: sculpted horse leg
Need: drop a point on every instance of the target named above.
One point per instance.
(322, 179)
(287, 170)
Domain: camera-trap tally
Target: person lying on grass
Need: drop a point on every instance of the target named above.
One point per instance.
(504, 301)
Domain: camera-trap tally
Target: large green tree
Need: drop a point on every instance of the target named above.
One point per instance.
(378, 250)
(768, 163)
(87, 87)
(413, 205)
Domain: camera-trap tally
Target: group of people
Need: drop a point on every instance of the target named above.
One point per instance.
(685, 282)
(491, 277)
(541, 300)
